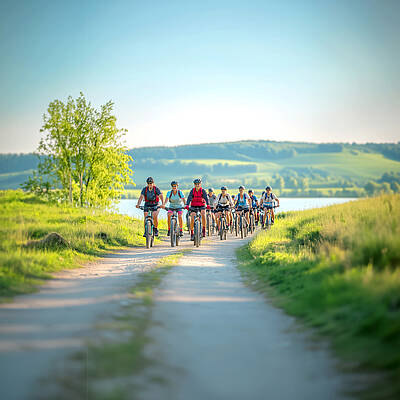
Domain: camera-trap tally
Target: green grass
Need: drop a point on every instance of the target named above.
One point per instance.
(338, 269)
(24, 218)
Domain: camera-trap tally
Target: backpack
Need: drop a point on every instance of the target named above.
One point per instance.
(179, 194)
(151, 197)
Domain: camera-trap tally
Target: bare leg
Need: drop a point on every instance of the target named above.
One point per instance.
(180, 221)
(169, 221)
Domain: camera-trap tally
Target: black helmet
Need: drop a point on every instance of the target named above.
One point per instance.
(210, 190)
(250, 191)
(268, 188)
(150, 180)
(223, 188)
(241, 187)
(173, 183)
(197, 180)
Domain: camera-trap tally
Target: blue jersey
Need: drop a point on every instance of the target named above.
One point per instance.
(253, 201)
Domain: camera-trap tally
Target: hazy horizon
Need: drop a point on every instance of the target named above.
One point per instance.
(192, 73)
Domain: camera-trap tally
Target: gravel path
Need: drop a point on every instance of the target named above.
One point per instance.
(218, 340)
(214, 337)
(40, 329)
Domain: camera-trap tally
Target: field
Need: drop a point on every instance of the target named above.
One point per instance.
(338, 269)
(293, 169)
(26, 218)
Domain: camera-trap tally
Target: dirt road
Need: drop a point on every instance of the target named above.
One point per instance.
(218, 339)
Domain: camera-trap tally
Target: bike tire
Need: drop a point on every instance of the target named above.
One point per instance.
(221, 229)
(148, 233)
(208, 224)
(241, 227)
(172, 232)
(177, 237)
(197, 233)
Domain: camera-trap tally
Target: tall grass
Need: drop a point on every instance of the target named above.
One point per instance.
(24, 218)
(338, 268)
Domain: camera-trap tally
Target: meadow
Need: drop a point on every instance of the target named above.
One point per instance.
(338, 270)
(26, 219)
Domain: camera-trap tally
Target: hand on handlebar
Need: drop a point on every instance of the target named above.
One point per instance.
(208, 207)
(187, 207)
(137, 206)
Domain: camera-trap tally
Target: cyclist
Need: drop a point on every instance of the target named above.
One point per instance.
(197, 198)
(151, 195)
(242, 202)
(254, 204)
(176, 199)
(212, 200)
(268, 200)
(224, 202)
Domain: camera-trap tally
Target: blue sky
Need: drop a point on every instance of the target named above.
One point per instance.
(191, 72)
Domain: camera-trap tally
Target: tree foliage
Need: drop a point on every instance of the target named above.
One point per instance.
(81, 154)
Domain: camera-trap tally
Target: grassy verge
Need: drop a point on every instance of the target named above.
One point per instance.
(25, 218)
(115, 365)
(338, 269)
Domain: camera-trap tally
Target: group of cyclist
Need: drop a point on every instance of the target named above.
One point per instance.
(202, 200)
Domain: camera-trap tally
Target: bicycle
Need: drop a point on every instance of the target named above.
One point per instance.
(188, 221)
(197, 226)
(209, 223)
(223, 225)
(236, 221)
(252, 225)
(174, 226)
(267, 217)
(149, 225)
(243, 226)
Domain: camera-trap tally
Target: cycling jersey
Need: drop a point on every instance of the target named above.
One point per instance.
(224, 200)
(212, 200)
(268, 200)
(175, 200)
(253, 200)
(197, 198)
(151, 197)
(242, 201)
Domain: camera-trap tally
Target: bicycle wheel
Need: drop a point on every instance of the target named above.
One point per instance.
(197, 233)
(208, 224)
(172, 231)
(225, 230)
(236, 225)
(241, 227)
(148, 233)
(221, 228)
(177, 237)
(268, 222)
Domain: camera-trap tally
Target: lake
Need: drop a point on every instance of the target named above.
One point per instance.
(127, 206)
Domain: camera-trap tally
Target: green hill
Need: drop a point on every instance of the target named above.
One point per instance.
(293, 168)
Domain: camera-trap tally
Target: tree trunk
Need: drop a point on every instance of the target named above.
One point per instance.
(70, 188)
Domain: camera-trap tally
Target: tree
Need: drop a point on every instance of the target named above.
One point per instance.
(82, 152)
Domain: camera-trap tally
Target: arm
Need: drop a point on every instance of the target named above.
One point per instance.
(205, 197)
(162, 198)
(139, 201)
(277, 200)
(190, 197)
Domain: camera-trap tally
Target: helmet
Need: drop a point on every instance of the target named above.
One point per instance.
(223, 188)
(197, 180)
(173, 183)
(241, 187)
(150, 180)
(210, 190)
(250, 191)
(268, 188)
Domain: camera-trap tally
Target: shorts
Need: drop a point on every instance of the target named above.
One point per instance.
(268, 206)
(178, 211)
(150, 207)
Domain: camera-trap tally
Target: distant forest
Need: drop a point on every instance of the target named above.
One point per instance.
(236, 162)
